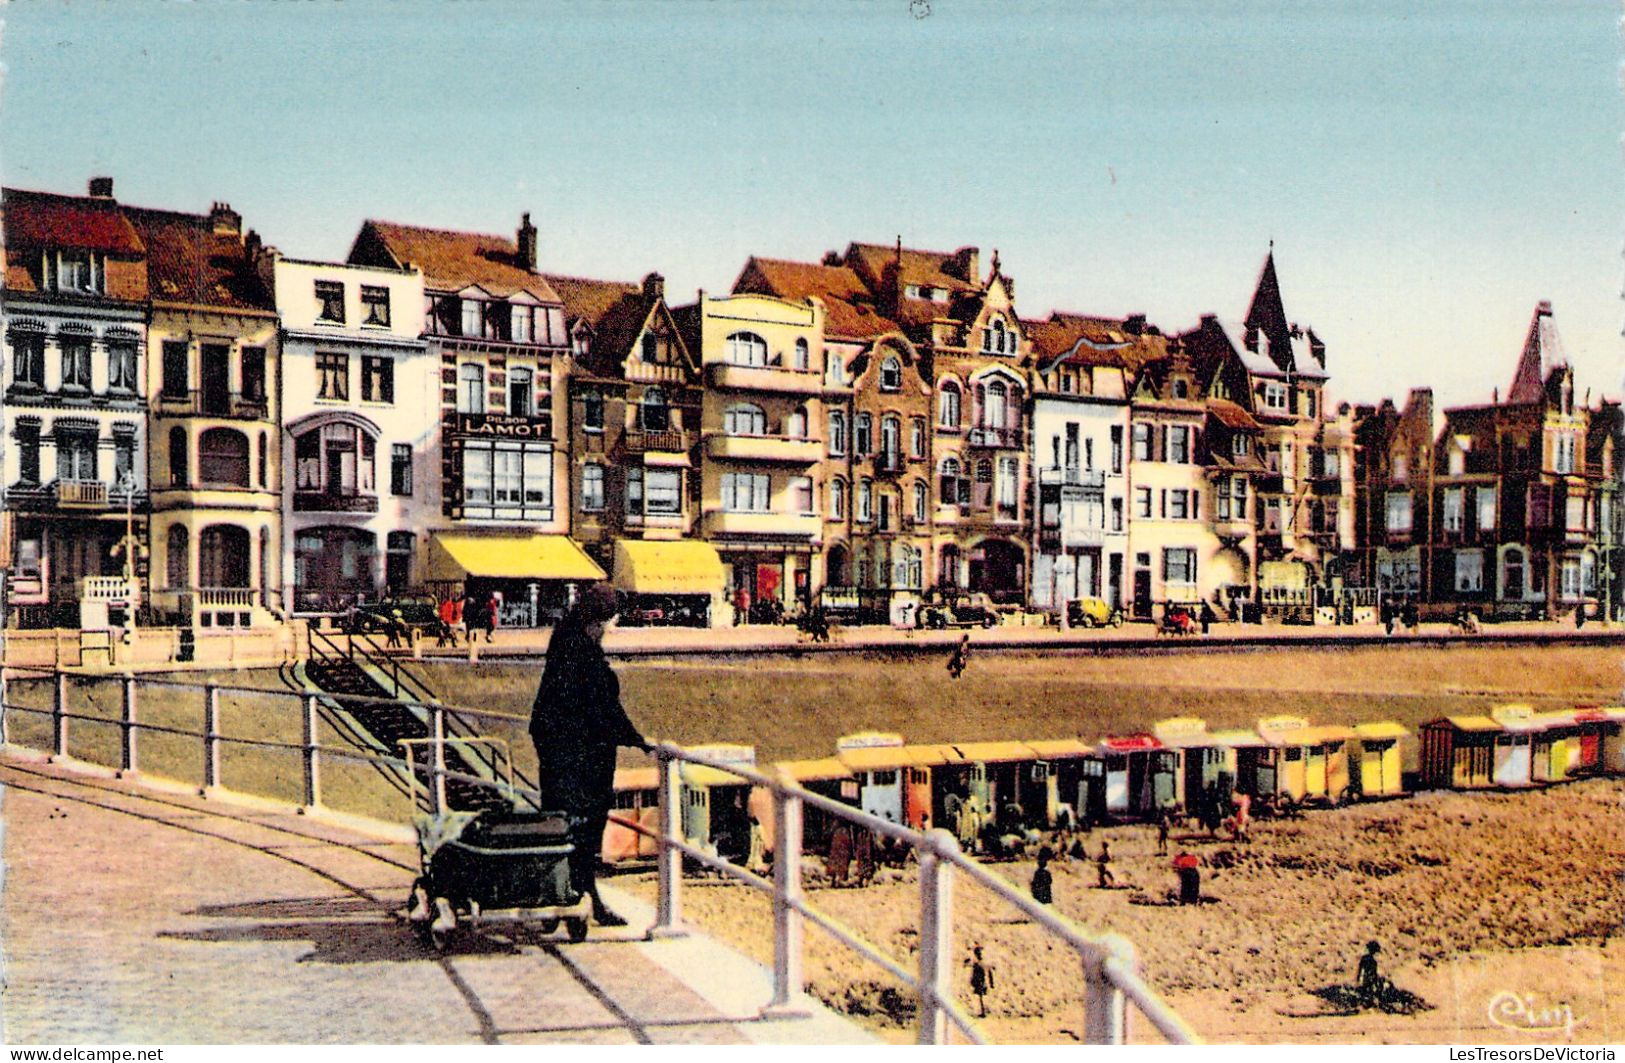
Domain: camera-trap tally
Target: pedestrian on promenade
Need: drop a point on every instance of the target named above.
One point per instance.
(1579, 616)
(493, 607)
(577, 722)
(960, 657)
(468, 611)
(1208, 616)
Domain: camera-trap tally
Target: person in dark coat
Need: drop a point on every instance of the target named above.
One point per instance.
(577, 722)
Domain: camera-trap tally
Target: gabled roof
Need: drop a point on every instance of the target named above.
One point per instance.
(1081, 339)
(615, 311)
(1542, 352)
(1232, 416)
(928, 269)
(849, 306)
(450, 259)
(45, 219)
(189, 263)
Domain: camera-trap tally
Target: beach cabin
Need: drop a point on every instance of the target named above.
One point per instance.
(716, 809)
(1312, 762)
(1458, 752)
(990, 771)
(1515, 745)
(636, 798)
(1379, 771)
(894, 780)
(1067, 776)
(1599, 746)
(826, 777)
(1204, 762)
(1555, 753)
(1140, 775)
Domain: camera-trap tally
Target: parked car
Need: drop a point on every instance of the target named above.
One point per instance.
(1093, 612)
(969, 609)
(419, 612)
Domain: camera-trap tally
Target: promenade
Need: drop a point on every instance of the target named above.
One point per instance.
(146, 915)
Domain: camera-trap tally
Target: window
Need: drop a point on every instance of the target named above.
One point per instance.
(28, 359)
(27, 453)
(837, 433)
(75, 360)
(1399, 511)
(174, 383)
(124, 458)
(1575, 513)
(1179, 565)
(178, 563)
(121, 365)
(1400, 468)
(1451, 511)
(1179, 444)
(663, 492)
(507, 479)
(653, 413)
(921, 501)
(470, 388)
(837, 499)
(1485, 497)
(1179, 505)
(890, 443)
(1274, 395)
(521, 393)
(265, 446)
(521, 324)
(995, 409)
(801, 495)
(377, 378)
(374, 305)
(472, 322)
(253, 374)
(1588, 574)
(179, 475)
(1540, 506)
(863, 445)
(74, 271)
(1117, 448)
(948, 400)
(916, 438)
(866, 494)
(400, 469)
(1142, 442)
(1117, 514)
(1512, 574)
(634, 490)
(803, 355)
(1009, 483)
(222, 457)
(1182, 388)
(1571, 580)
(332, 375)
(745, 492)
(1142, 501)
(1240, 446)
(330, 302)
(891, 375)
(955, 487)
(76, 456)
(746, 348)
(795, 426)
(592, 488)
(335, 459)
(745, 420)
(592, 411)
(498, 320)
(1562, 453)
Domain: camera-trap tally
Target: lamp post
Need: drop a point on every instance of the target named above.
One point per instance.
(128, 546)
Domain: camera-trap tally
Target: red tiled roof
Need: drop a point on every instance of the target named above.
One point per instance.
(188, 262)
(45, 219)
(1084, 339)
(1232, 416)
(451, 260)
(925, 268)
(850, 311)
(614, 310)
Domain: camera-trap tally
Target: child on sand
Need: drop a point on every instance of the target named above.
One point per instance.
(1103, 866)
(981, 978)
(1043, 881)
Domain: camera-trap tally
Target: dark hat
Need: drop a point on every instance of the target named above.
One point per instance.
(597, 602)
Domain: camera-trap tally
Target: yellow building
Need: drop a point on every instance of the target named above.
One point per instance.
(213, 451)
(761, 450)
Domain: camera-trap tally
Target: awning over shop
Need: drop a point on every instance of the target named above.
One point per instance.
(514, 555)
(682, 567)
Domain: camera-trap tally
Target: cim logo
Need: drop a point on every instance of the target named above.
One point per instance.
(1526, 1014)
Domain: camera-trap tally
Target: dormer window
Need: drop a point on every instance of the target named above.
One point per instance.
(471, 317)
(521, 321)
(891, 375)
(1274, 395)
(1182, 389)
(993, 338)
(912, 291)
(651, 348)
(75, 271)
(330, 302)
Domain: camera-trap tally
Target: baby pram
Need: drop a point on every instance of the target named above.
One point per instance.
(499, 864)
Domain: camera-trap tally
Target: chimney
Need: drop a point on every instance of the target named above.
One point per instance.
(832, 258)
(101, 188)
(527, 242)
(252, 245)
(965, 264)
(224, 220)
(654, 286)
(1134, 324)
(1544, 309)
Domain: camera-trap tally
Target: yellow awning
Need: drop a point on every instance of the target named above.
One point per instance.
(508, 555)
(1059, 748)
(680, 567)
(1379, 731)
(1472, 723)
(821, 770)
(994, 752)
(1235, 738)
(637, 779)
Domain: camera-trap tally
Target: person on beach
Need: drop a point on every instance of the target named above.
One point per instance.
(960, 657)
(1043, 882)
(839, 859)
(1103, 866)
(981, 978)
(577, 723)
(1164, 822)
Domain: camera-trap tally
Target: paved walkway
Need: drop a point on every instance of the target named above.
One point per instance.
(142, 915)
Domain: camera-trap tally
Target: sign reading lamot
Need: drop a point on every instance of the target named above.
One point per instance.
(501, 424)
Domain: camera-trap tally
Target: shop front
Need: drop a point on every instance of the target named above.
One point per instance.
(674, 583)
(531, 578)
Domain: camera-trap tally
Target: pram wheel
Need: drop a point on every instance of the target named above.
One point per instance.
(576, 928)
(548, 925)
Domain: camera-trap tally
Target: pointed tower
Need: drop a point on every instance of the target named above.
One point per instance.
(1266, 318)
(1542, 352)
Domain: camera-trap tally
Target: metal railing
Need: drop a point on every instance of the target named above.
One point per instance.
(1107, 965)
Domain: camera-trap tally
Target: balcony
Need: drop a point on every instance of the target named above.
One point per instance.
(996, 438)
(729, 377)
(1232, 527)
(81, 494)
(803, 526)
(1074, 537)
(764, 448)
(1073, 476)
(108, 589)
(646, 441)
(306, 501)
(209, 403)
(227, 597)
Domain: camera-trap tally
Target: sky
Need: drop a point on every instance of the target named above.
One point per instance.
(1427, 171)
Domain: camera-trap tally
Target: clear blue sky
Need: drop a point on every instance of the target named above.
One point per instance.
(1427, 171)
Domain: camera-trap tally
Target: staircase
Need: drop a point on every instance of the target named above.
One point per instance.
(374, 703)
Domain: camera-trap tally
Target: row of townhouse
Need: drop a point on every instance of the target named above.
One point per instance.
(230, 435)
(1511, 509)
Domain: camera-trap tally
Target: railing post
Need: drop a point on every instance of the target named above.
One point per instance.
(59, 717)
(127, 732)
(439, 759)
(211, 737)
(788, 995)
(5, 694)
(669, 908)
(1104, 1008)
(936, 934)
(313, 778)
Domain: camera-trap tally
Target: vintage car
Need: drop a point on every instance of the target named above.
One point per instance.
(1093, 612)
(963, 609)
